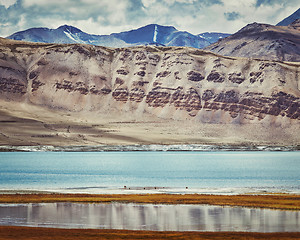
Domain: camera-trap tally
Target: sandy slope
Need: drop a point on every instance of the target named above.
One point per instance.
(32, 125)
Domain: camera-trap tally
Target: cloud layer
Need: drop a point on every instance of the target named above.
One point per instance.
(107, 16)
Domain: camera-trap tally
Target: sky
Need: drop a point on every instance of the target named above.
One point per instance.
(107, 16)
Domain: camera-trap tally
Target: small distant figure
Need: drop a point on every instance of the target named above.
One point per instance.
(125, 187)
(186, 187)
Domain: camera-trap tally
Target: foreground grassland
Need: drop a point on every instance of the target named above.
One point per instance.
(27, 233)
(273, 201)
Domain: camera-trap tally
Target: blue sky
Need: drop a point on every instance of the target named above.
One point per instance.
(107, 16)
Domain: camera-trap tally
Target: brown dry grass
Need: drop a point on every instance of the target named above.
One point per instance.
(26, 233)
(274, 201)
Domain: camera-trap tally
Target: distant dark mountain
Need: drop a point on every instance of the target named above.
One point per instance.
(213, 37)
(162, 35)
(262, 41)
(66, 34)
(152, 34)
(290, 19)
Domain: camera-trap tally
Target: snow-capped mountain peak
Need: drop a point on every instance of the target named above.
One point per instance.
(149, 34)
(74, 34)
(69, 28)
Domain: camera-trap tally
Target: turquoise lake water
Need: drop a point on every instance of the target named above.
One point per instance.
(227, 172)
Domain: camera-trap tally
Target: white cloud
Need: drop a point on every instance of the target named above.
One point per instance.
(238, 5)
(106, 30)
(89, 26)
(43, 3)
(148, 3)
(9, 28)
(22, 22)
(285, 12)
(171, 2)
(117, 12)
(156, 13)
(7, 3)
(215, 21)
(183, 1)
(107, 16)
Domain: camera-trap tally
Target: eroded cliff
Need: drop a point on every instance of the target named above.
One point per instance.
(172, 83)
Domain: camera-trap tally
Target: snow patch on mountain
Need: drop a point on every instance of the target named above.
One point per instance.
(155, 34)
(213, 37)
(74, 37)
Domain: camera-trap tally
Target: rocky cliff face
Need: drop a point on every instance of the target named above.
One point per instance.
(167, 82)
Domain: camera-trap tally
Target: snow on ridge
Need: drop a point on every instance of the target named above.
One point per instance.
(155, 34)
(69, 35)
(72, 37)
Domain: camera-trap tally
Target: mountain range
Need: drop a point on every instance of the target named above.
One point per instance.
(243, 91)
(256, 40)
(150, 34)
(78, 94)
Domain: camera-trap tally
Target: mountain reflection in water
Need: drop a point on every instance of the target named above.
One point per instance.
(149, 217)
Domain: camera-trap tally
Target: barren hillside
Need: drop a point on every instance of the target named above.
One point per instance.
(262, 41)
(81, 94)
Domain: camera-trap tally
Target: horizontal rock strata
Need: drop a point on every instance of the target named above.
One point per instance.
(174, 83)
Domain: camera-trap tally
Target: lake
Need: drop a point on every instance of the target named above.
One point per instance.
(171, 172)
(149, 217)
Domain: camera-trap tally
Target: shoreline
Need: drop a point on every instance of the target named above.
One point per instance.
(150, 190)
(149, 148)
(26, 233)
(270, 201)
